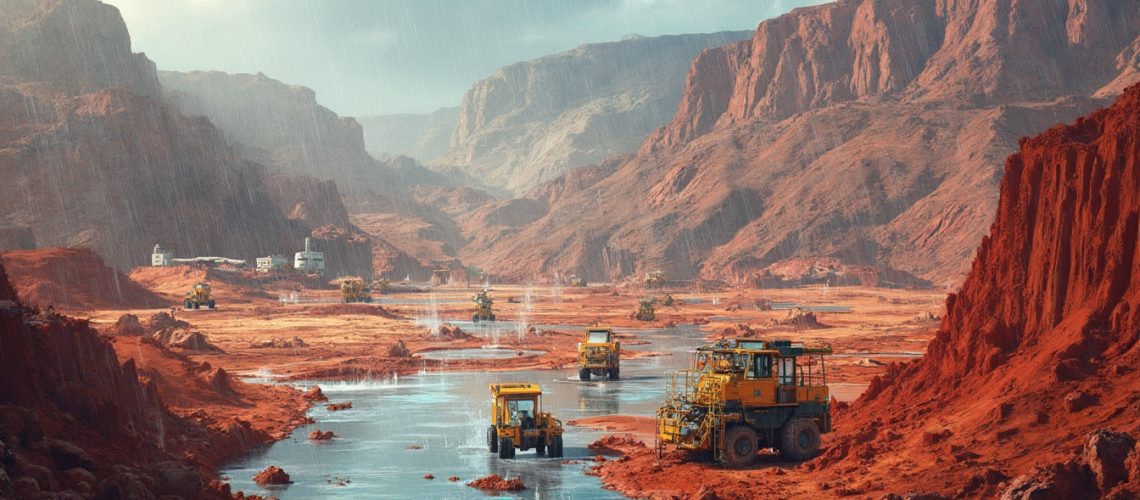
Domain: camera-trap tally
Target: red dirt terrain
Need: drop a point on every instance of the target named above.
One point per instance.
(1029, 389)
(74, 278)
(74, 420)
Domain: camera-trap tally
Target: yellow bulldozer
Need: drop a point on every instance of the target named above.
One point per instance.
(353, 290)
(745, 395)
(483, 308)
(654, 279)
(599, 354)
(199, 296)
(577, 282)
(518, 422)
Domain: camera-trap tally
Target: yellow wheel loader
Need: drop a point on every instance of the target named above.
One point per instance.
(646, 311)
(654, 279)
(483, 309)
(745, 395)
(198, 296)
(353, 290)
(518, 422)
(599, 354)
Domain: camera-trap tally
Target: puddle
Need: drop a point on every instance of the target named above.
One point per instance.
(478, 353)
(446, 414)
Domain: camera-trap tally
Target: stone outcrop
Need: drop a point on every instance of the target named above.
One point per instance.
(531, 121)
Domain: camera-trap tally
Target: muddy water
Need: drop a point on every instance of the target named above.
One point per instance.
(446, 415)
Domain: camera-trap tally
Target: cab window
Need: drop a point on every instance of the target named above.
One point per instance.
(761, 367)
(787, 371)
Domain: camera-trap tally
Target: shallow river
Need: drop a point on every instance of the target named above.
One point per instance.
(447, 414)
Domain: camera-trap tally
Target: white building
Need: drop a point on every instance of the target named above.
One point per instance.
(308, 261)
(161, 257)
(271, 263)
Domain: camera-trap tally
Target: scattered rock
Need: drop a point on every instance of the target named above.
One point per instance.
(165, 321)
(319, 435)
(599, 458)
(339, 406)
(315, 394)
(1079, 400)
(1104, 453)
(177, 479)
(429, 476)
(799, 318)
(219, 379)
(453, 479)
(272, 475)
(414, 447)
(705, 493)
(399, 350)
(1064, 480)
(935, 435)
(184, 339)
(128, 325)
(452, 332)
(494, 482)
(278, 343)
(67, 456)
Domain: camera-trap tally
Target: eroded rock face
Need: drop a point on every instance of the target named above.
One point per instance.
(777, 148)
(529, 123)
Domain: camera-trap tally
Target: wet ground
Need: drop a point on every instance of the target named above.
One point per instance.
(447, 414)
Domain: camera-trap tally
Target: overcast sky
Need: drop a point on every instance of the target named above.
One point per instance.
(366, 57)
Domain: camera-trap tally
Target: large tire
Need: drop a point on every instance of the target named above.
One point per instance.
(542, 446)
(492, 439)
(506, 448)
(187, 305)
(197, 305)
(799, 439)
(492, 317)
(475, 318)
(740, 446)
(584, 374)
(615, 373)
(556, 447)
(210, 304)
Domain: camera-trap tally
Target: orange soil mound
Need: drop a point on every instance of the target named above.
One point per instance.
(338, 309)
(1039, 349)
(173, 282)
(494, 482)
(73, 278)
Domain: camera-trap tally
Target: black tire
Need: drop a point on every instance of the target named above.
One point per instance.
(506, 448)
(197, 305)
(584, 374)
(615, 373)
(492, 317)
(474, 318)
(740, 446)
(210, 304)
(541, 447)
(187, 305)
(799, 439)
(492, 439)
(556, 447)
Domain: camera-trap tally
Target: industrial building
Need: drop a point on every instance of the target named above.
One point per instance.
(309, 261)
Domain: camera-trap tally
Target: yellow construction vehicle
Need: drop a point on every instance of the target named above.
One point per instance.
(654, 279)
(483, 310)
(575, 281)
(382, 285)
(517, 421)
(198, 296)
(745, 395)
(353, 290)
(599, 354)
(646, 311)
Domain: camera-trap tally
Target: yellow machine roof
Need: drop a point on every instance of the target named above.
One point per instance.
(515, 388)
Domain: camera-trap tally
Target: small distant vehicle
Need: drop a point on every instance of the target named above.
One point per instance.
(599, 354)
(748, 394)
(646, 310)
(353, 290)
(576, 281)
(655, 279)
(518, 422)
(199, 296)
(382, 285)
(483, 308)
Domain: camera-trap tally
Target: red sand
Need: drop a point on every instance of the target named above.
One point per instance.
(72, 279)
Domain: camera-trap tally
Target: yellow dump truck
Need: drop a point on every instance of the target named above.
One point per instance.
(744, 395)
(199, 296)
(518, 422)
(599, 354)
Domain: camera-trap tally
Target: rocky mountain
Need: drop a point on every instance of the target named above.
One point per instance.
(423, 137)
(1038, 349)
(94, 157)
(535, 120)
(872, 132)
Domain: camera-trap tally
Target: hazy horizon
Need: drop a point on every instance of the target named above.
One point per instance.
(404, 56)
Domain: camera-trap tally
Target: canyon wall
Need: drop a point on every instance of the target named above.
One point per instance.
(870, 131)
(535, 120)
(1038, 349)
(424, 137)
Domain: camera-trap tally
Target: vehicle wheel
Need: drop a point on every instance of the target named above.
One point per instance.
(492, 317)
(556, 447)
(799, 439)
(197, 305)
(474, 318)
(615, 373)
(367, 300)
(740, 446)
(584, 374)
(492, 439)
(506, 448)
(210, 304)
(187, 305)
(541, 447)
